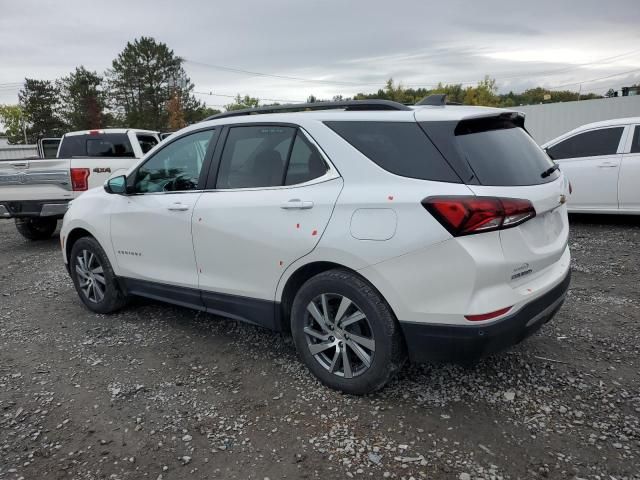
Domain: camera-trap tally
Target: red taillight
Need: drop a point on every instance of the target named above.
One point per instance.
(487, 316)
(79, 179)
(95, 132)
(466, 215)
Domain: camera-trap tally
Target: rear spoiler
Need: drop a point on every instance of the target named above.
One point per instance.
(489, 121)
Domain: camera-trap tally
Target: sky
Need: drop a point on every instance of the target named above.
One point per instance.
(286, 50)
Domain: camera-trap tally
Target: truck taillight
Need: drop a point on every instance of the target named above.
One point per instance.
(466, 215)
(80, 179)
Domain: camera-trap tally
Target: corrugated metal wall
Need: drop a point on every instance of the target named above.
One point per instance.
(18, 152)
(549, 120)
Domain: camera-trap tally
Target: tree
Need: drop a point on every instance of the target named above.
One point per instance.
(82, 100)
(395, 92)
(484, 94)
(14, 122)
(143, 79)
(243, 102)
(176, 113)
(610, 93)
(39, 100)
(199, 114)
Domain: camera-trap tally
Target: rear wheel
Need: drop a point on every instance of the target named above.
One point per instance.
(346, 333)
(37, 228)
(94, 278)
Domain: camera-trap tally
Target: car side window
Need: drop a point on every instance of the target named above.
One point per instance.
(635, 144)
(177, 166)
(147, 142)
(305, 162)
(593, 143)
(255, 156)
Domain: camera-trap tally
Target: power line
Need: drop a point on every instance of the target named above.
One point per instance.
(283, 77)
(546, 73)
(472, 82)
(596, 79)
(234, 96)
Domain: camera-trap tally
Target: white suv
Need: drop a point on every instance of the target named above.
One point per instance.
(371, 230)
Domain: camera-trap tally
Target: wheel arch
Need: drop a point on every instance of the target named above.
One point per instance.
(72, 237)
(299, 277)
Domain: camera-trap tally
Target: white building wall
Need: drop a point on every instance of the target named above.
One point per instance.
(550, 120)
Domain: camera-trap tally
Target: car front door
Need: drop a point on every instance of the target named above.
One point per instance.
(151, 227)
(271, 197)
(629, 183)
(591, 161)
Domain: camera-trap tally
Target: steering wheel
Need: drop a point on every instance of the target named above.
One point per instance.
(178, 183)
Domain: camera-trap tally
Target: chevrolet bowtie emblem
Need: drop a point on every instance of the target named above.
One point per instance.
(563, 199)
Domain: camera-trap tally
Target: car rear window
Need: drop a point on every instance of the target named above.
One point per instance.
(401, 148)
(493, 151)
(104, 145)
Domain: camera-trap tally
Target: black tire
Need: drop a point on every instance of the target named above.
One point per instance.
(381, 327)
(36, 228)
(112, 298)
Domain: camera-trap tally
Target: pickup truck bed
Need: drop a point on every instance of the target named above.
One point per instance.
(36, 191)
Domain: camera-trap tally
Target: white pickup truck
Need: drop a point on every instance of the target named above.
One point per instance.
(35, 192)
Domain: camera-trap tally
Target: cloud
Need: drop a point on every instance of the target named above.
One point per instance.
(356, 44)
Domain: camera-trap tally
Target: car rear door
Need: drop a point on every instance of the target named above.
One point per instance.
(591, 161)
(269, 198)
(629, 179)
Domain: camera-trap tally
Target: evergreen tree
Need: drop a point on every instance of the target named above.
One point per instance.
(142, 81)
(39, 100)
(82, 100)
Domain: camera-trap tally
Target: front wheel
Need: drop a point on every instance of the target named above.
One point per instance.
(346, 333)
(93, 277)
(36, 228)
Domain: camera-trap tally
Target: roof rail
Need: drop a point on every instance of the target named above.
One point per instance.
(350, 105)
(437, 99)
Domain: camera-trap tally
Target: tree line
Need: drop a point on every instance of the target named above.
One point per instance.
(147, 87)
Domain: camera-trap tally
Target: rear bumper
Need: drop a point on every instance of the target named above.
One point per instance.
(433, 343)
(31, 208)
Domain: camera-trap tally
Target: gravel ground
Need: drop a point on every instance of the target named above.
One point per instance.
(162, 392)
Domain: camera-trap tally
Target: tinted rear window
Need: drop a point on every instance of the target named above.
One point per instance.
(106, 145)
(401, 148)
(491, 151)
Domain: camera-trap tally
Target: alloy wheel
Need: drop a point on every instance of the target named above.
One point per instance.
(90, 276)
(339, 335)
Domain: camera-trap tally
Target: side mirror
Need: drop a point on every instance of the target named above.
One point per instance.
(116, 185)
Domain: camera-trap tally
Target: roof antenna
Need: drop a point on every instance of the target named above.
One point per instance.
(436, 100)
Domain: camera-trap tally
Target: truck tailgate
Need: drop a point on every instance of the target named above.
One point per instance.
(35, 179)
